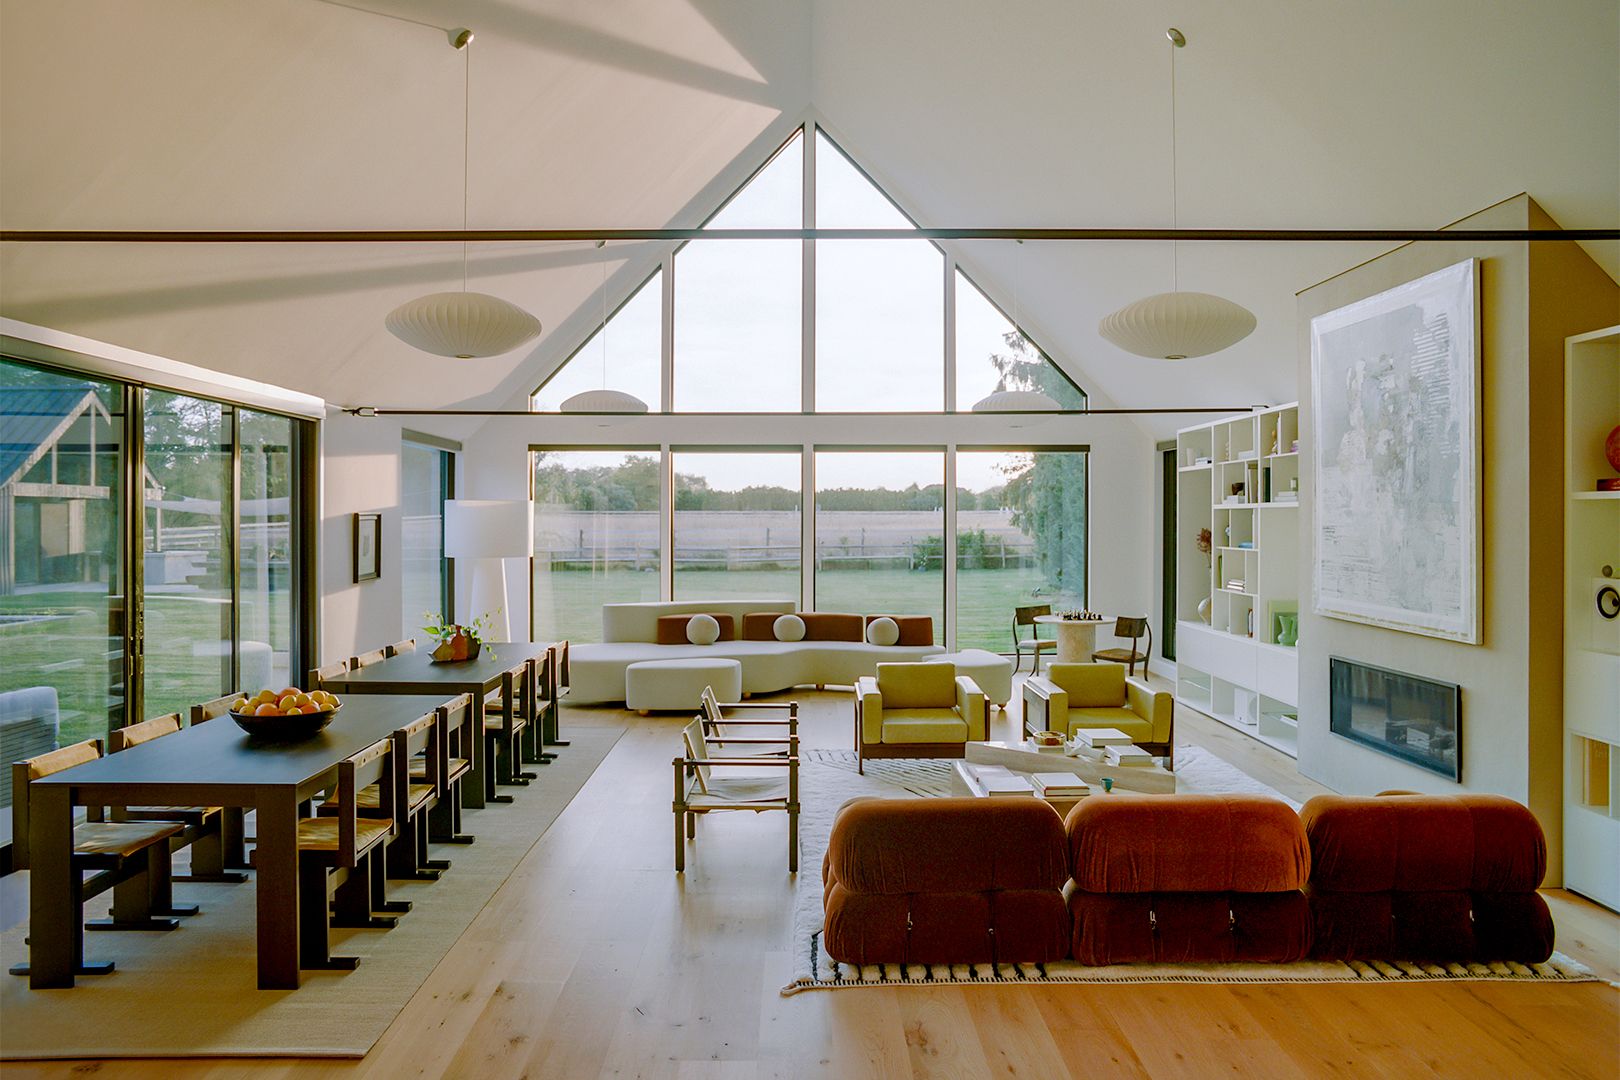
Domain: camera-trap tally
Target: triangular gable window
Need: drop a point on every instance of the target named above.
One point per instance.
(877, 310)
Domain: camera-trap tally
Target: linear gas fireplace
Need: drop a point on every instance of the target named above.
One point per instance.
(1405, 716)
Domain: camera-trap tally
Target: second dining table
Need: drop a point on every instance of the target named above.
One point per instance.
(416, 672)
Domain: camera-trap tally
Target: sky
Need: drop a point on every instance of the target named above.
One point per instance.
(879, 328)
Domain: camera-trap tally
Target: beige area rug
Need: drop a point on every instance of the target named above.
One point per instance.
(192, 992)
(827, 781)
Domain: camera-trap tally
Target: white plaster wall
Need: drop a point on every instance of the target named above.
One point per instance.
(360, 475)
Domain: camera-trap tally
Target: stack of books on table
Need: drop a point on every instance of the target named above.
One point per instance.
(1097, 738)
(998, 781)
(1127, 755)
(1059, 785)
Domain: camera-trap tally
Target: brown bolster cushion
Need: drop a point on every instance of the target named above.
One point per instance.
(760, 625)
(672, 628)
(831, 626)
(914, 629)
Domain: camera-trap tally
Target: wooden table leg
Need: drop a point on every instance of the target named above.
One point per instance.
(472, 785)
(277, 861)
(55, 940)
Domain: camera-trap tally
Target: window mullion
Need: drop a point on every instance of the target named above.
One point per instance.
(807, 304)
(950, 333)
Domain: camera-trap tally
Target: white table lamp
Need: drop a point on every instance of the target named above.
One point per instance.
(489, 532)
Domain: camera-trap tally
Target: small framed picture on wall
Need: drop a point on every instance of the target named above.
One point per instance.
(367, 547)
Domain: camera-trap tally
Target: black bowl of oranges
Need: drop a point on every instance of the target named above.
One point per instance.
(285, 715)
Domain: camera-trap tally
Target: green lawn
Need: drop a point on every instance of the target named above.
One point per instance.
(568, 604)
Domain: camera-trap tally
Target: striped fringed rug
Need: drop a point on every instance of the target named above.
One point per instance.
(828, 974)
(828, 779)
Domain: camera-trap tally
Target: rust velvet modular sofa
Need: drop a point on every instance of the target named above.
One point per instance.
(1172, 878)
(1449, 878)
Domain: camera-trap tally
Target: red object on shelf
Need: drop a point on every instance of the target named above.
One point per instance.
(1611, 450)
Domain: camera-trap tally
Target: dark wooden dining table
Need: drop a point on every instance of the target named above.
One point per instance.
(212, 764)
(416, 673)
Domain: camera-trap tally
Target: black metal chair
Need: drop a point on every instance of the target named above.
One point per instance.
(1129, 627)
(1034, 643)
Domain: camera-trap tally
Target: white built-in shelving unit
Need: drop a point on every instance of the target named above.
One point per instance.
(1239, 478)
(1591, 641)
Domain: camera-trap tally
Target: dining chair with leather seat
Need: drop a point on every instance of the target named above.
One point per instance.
(406, 853)
(366, 659)
(1033, 643)
(1132, 627)
(344, 849)
(506, 715)
(408, 645)
(455, 718)
(204, 826)
(131, 857)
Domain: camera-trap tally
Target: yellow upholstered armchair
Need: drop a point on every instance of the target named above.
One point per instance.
(1073, 696)
(917, 710)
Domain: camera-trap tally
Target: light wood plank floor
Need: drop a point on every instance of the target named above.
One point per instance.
(596, 960)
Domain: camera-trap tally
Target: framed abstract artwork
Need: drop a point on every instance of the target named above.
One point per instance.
(367, 547)
(1396, 513)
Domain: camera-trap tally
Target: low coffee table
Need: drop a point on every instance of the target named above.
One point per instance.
(1024, 758)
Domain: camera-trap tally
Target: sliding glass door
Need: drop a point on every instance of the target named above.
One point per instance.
(149, 555)
(63, 593)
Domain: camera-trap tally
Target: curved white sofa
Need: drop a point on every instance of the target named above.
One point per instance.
(629, 635)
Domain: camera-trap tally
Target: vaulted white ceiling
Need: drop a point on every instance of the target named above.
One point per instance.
(303, 114)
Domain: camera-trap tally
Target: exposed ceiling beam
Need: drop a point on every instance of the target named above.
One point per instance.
(417, 236)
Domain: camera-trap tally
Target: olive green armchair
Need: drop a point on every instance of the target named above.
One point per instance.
(917, 710)
(1074, 696)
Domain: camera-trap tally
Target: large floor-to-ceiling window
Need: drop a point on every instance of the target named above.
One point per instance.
(597, 537)
(854, 337)
(880, 517)
(737, 524)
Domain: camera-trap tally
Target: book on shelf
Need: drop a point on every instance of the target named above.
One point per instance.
(1100, 737)
(1236, 584)
(1005, 786)
(1061, 785)
(1127, 755)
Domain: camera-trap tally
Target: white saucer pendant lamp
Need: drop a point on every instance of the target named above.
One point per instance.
(614, 406)
(1023, 405)
(603, 401)
(1177, 325)
(462, 324)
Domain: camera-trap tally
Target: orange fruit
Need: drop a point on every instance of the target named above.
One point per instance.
(267, 710)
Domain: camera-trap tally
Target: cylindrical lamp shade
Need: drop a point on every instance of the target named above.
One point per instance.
(1177, 325)
(488, 529)
(462, 324)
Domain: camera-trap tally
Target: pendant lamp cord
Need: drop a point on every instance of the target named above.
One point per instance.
(1175, 199)
(466, 125)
